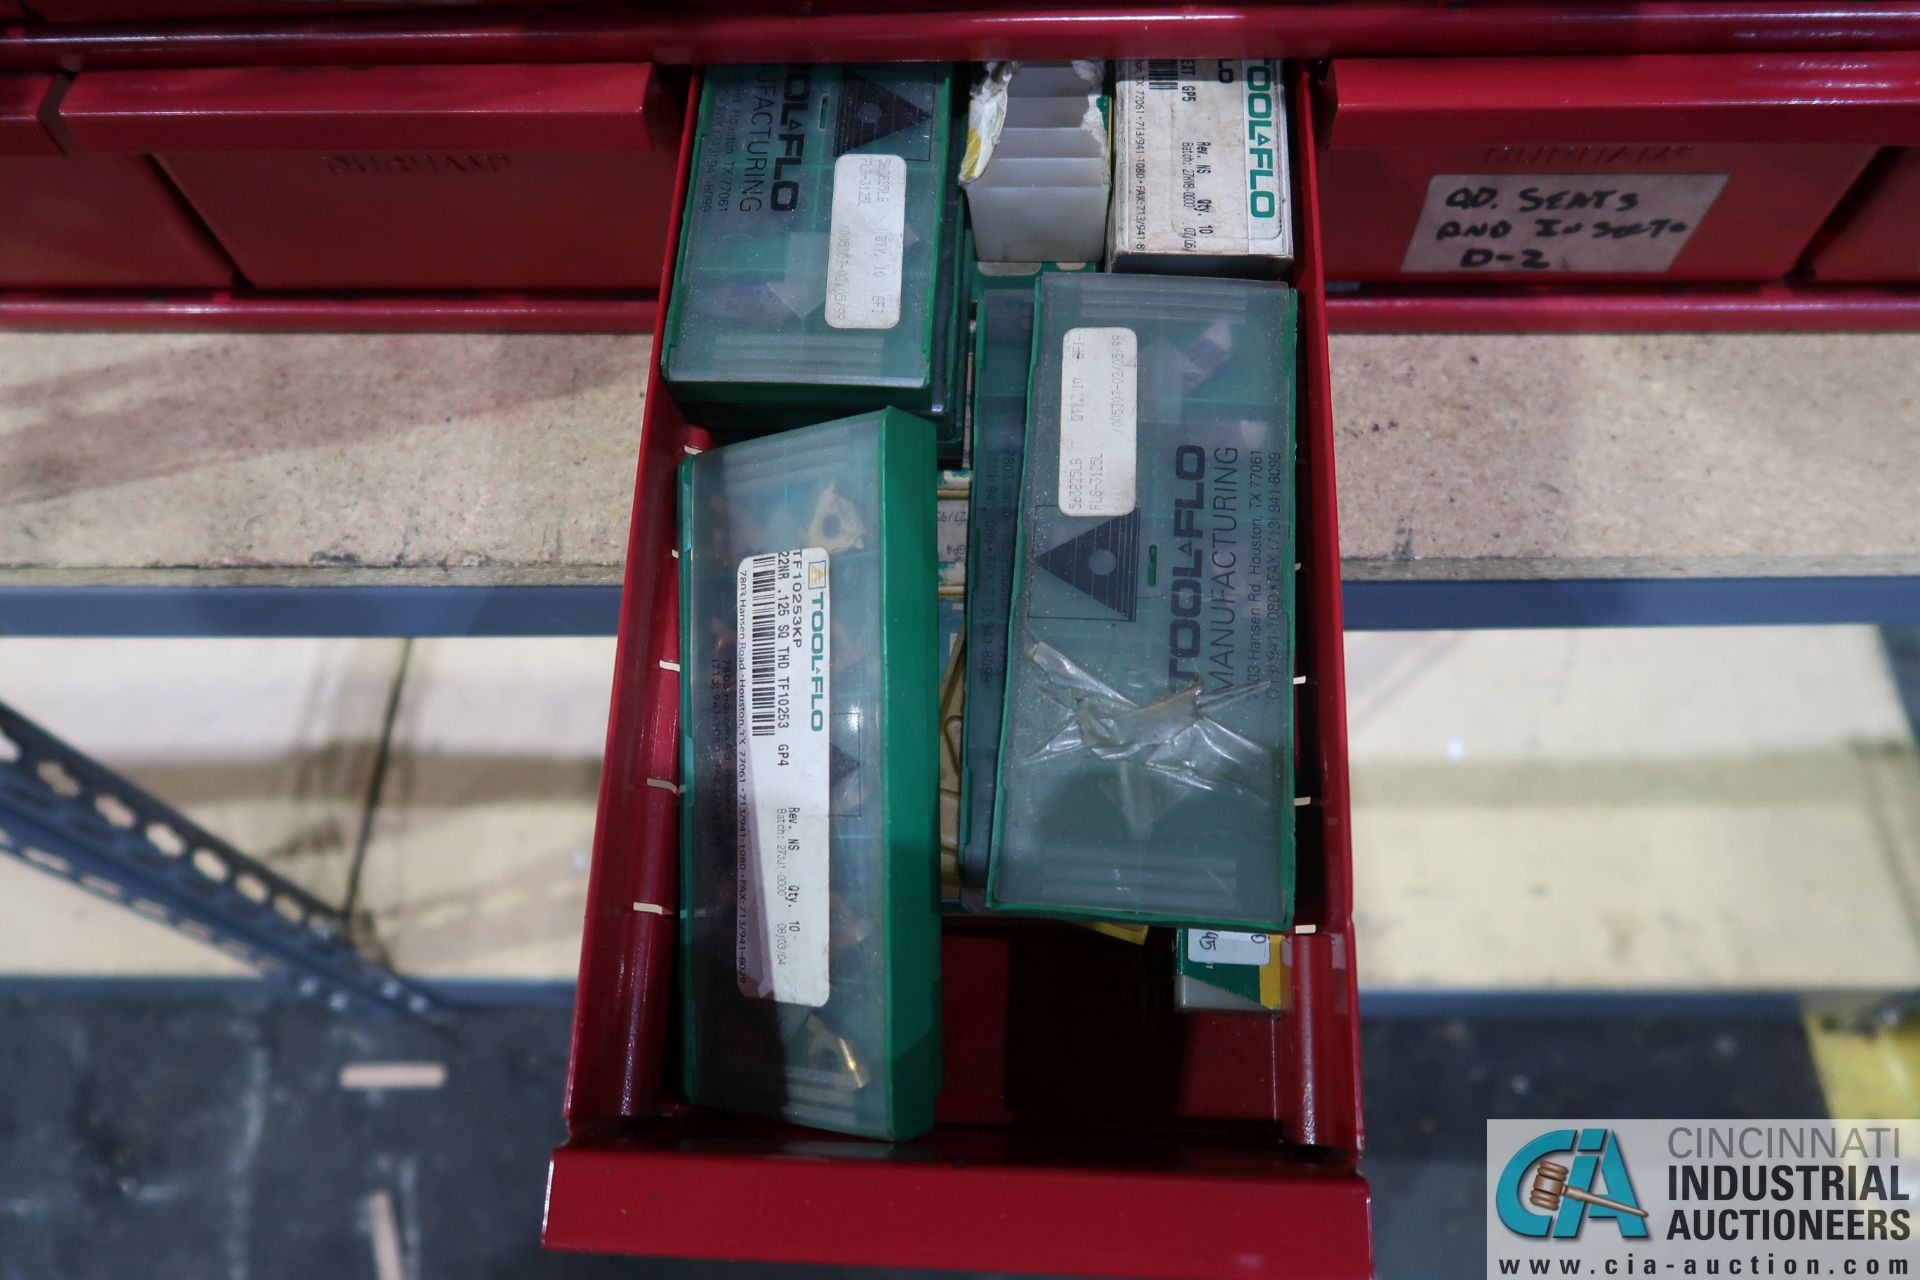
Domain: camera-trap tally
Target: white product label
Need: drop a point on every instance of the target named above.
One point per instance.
(950, 538)
(950, 545)
(1204, 166)
(1543, 222)
(1099, 408)
(783, 666)
(1217, 946)
(867, 241)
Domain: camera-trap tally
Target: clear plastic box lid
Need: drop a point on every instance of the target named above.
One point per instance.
(812, 244)
(808, 904)
(1003, 347)
(1146, 750)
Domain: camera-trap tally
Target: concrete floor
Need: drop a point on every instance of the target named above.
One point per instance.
(327, 459)
(1537, 815)
(1689, 797)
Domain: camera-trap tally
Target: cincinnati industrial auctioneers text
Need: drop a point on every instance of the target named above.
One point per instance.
(1729, 1182)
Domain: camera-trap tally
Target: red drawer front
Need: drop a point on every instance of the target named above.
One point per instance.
(1084, 1128)
(1682, 167)
(1049, 1209)
(162, 10)
(512, 177)
(1875, 236)
(22, 101)
(88, 221)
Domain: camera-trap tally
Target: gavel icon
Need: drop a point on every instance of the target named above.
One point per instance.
(1550, 1184)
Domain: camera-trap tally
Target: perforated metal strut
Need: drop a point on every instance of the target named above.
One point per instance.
(65, 814)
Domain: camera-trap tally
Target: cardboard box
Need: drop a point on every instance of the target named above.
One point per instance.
(1202, 177)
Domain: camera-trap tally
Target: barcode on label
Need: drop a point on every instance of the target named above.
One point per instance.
(762, 644)
(1163, 73)
(783, 669)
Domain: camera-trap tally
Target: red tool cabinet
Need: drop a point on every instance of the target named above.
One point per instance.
(1755, 83)
(1678, 167)
(1875, 236)
(1084, 1128)
(427, 177)
(88, 221)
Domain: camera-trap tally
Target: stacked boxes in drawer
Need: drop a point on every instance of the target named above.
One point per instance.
(1145, 764)
(809, 960)
(1141, 549)
(1215, 1142)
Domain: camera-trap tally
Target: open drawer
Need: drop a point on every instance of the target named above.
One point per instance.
(1084, 1127)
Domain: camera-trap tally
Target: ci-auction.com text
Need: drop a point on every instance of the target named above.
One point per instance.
(1767, 1264)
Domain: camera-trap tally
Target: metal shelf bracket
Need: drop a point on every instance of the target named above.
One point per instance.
(67, 815)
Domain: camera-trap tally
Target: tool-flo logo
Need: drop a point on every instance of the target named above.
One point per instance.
(1554, 1198)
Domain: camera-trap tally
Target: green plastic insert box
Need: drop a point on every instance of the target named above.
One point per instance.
(1003, 357)
(809, 924)
(1145, 768)
(1220, 970)
(952, 337)
(1002, 362)
(814, 246)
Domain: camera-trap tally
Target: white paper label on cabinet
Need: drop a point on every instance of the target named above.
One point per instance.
(1538, 223)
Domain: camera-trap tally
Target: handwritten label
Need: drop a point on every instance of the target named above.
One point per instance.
(866, 241)
(784, 674)
(1543, 222)
(1099, 426)
(1218, 946)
